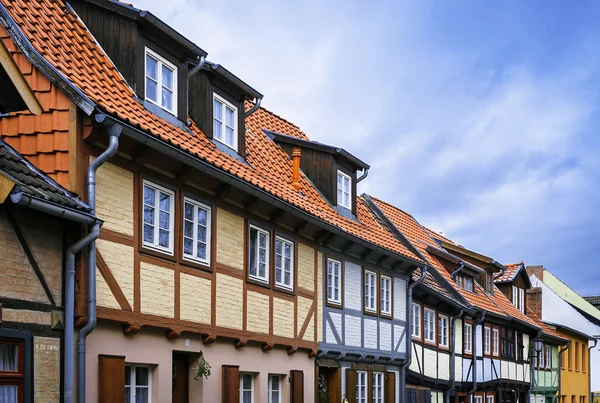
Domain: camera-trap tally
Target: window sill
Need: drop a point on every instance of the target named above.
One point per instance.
(283, 290)
(158, 254)
(430, 343)
(386, 316)
(370, 313)
(258, 282)
(444, 348)
(334, 304)
(196, 265)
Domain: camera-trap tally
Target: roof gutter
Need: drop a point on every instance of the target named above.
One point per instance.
(203, 166)
(407, 362)
(151, 19)
(53, 209)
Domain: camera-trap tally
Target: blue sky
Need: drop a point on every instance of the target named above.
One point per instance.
(478, 118)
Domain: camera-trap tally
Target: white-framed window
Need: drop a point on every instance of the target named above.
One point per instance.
(478, 399)
(246, 388)
(378, 387)
(468, 338)
(515, 296)
(522, 300)
(274, 389)
(224, 122)
(429, 324)
(196, 231)
(344, 190)
(495, 342)
(386, 295)
(284, 263)
(361, 387)
(489, 399)
(541, 361)
(258, 267)
(487, 340)
(443, 321)
(548, 356)
(334, 277)
(161, 82)
(416, 320)
(138, 383)
(159, 208)
(370, 291)
(468, 283)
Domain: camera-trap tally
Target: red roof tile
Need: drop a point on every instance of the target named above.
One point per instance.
(511, 271)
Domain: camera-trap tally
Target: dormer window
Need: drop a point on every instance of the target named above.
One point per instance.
(161, 82)
(465, 282)
(343, 190)
(224, 118)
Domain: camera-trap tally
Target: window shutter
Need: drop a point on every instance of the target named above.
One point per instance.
(413, 395)
(351, 385)
(111, 378)
(231, 384)
(390, 387)
(297, 387)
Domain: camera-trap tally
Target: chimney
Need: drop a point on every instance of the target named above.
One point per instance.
(538, 271)
(534, 300)
(296, 168)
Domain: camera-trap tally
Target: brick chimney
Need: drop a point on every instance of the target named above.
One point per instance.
(537, 270)
(296, 168)
(534, 300)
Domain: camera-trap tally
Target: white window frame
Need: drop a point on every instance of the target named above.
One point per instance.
(541, 355)
(157, 190)
(443, 321)
(159, 85)
(193, 257)
(361, 387)
(478, 399)
(270, 389)
(515, 296)
(378, 383)
(349, 178)
(331, 283)
(132, 382)
(487, 340)
(429, 325)
(468, 282)
(370, 291)
(222, 137)
(282, 283)
(416, 324)
(548, 350)
(242, 390)
(495, 342)
(489, 399)
(386, 295)
(522, 300)
(468, 338)
(257, 276)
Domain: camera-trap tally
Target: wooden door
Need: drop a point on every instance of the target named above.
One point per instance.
(329, 385)
(180, 378)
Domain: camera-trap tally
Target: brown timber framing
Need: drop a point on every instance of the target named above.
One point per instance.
(133, 319)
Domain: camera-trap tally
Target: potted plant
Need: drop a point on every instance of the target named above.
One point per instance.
(201, 367)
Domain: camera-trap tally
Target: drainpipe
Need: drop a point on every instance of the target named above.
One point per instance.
(455, 272)
(533, 362)
(406, 364)
(453, 354)
(589, 358)
(254, 108)
(560, 352)
(52, 209)
(363, 176)
(475, 324)
(296, 154)
(114, 131)
(191, 73)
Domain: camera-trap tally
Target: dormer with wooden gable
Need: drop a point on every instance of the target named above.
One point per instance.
(332, 170)
(170, 74)
(514, 283)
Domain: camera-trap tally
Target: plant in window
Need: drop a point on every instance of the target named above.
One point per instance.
(201, 367)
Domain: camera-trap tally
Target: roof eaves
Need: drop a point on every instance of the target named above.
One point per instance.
(455, 259)
(32, 55)
(229, 76)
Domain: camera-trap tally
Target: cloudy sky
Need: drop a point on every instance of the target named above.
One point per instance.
(479, 118)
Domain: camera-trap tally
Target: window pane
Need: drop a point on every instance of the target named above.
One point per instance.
(188, 246)
(287, 278)
(148, 196)
(167, 99)
(188, 229)
(141, 376)
(217, 110)
(148, 233)
(246, 381)
(229, 136)
(189, 212)
(167, 77)
(9, 393)
(9, 357)
(217, 128)
(151, 88)
(127, 375)
(141, 395)
(151, 67)
(201, 251)
(163, 220)
(253, 235)
(202, 215)
(247, 397)
(165, 202)
(201, 233)
(163, 238)
(127, 394)
(229, 114)
(148, 215)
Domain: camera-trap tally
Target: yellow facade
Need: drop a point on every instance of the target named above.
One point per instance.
(574, 371)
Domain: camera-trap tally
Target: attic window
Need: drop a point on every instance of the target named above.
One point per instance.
(161, 82)
(224, 118)
(343, 190)
(465, 282)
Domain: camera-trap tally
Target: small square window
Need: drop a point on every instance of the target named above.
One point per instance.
(158, 218)
(334, 278)
(161, 81)
(370, 291)
(259, 254)
(224, 122)
(196, 231)
(284, 263)
(344, 191)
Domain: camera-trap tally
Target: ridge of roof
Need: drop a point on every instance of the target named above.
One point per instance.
(511, 272)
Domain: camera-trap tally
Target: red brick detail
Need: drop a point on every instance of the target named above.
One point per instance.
(534, 300)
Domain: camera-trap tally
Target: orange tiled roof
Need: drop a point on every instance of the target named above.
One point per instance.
(64, 41)
(510, 272)
(437, 235)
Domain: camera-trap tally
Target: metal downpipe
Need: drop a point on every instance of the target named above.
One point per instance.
(533, 363)
(409, 333)
(560, 366)
(453, 354)
(455, 272)
(589, 360)
(474, 342)
(114, 132)
(254, 108)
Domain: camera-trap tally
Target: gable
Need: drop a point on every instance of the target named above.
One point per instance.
(16, 94)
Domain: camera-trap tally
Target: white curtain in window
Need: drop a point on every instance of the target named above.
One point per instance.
(9, 394)
(8, 357)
